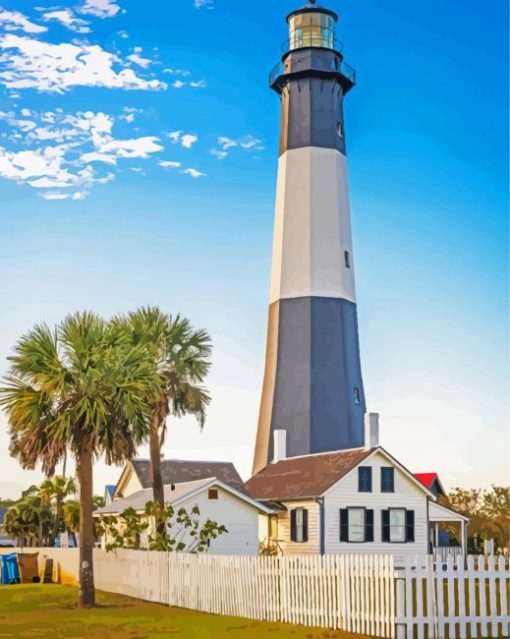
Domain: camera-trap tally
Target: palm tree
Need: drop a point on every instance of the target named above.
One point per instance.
(53, 492)
(82, 387)
(71, 513)
(181, 357)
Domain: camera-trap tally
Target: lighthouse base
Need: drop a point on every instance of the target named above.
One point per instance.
(313, 387)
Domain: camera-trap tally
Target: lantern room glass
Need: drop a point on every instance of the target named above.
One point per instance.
(312, 29)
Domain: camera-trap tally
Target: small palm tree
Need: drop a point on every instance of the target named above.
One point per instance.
(83, 387)
(53, 492)
(181, 357)
(71, 513)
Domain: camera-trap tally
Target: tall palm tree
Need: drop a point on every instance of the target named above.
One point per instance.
(53, 492)
(181, 357)
(83, 387)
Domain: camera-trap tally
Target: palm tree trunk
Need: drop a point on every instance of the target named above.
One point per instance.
(86, 570)
(158, 490)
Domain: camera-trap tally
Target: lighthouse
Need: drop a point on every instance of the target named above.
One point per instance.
(313, 387)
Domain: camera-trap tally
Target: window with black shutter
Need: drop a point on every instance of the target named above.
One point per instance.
(410, 525)
(385, 522)
(365, 479)
(344, 524)
(299, 525)
(387, 479)
(369, 525)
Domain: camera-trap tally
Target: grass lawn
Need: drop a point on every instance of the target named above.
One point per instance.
(45, 611)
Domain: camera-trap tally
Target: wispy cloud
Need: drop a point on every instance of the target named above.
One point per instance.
(74, 150)
(167, 164)
(26, 63)
(194, 173)
(16, 21)
(100, 8)
(203, 4)
(248, 143)
(186, 140)
(67, 18)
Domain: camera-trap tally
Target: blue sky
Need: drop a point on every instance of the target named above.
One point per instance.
(138, 147)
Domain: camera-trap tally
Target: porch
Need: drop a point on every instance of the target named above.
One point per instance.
(442, 522)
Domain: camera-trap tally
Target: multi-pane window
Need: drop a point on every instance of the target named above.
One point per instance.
(387, 479)
(397, 525)
(365, 479)
(356, 524)
(299, 525)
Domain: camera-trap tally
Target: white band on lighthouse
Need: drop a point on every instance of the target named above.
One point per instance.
(312, 245)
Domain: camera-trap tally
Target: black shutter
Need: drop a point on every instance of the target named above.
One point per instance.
(344, 524)
(305, 524)
(293, 535)
(385, 519)
(409, 525)
(369, 525)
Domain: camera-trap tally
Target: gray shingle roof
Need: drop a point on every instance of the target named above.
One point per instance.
(177, 471)
(173, 493)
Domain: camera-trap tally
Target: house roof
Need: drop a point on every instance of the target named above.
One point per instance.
(427, 479)
(431, 481)
(177, 471)
(174, 494)
(307, 476)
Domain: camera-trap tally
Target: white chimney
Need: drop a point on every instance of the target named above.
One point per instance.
(371, 430)
(279, 445)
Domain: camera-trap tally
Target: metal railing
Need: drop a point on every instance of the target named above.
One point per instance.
(340, 67)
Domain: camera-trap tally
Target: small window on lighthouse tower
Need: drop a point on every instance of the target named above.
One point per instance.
(341, 130)
(347, 259)
(357, 396)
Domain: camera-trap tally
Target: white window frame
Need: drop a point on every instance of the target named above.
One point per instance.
(398, 533)
(359, 538)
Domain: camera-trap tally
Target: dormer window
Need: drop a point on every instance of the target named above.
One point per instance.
(365, 479)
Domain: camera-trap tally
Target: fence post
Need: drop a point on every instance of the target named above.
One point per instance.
(400, 620)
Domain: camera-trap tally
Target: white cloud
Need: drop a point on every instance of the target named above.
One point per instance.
(221, 155)
(135, 148)
(141, 62)
(182, 72)
(225, 143)
(201, 84)
(81, 145)
(178, 84)
(100, 8)
(186, 140)
(94, 156)
(194, 173)
(30, 64)
(68, 19)
(15, 21)
(203, 4)
(167, 164)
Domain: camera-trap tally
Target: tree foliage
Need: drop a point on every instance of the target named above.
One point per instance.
(489, 513)
(185, 532)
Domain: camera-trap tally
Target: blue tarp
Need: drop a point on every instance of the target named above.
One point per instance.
(10, 569)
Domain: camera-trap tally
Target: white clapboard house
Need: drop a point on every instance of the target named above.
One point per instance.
(351, 501)
(215, 487)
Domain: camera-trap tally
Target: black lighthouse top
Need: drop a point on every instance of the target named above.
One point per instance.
(312, 49)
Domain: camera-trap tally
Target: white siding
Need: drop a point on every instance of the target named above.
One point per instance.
(312, 546)
(344, 494)
(240, 519)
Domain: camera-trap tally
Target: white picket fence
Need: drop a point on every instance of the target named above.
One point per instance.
(350, 592)
(440, 600)
(357, 593)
